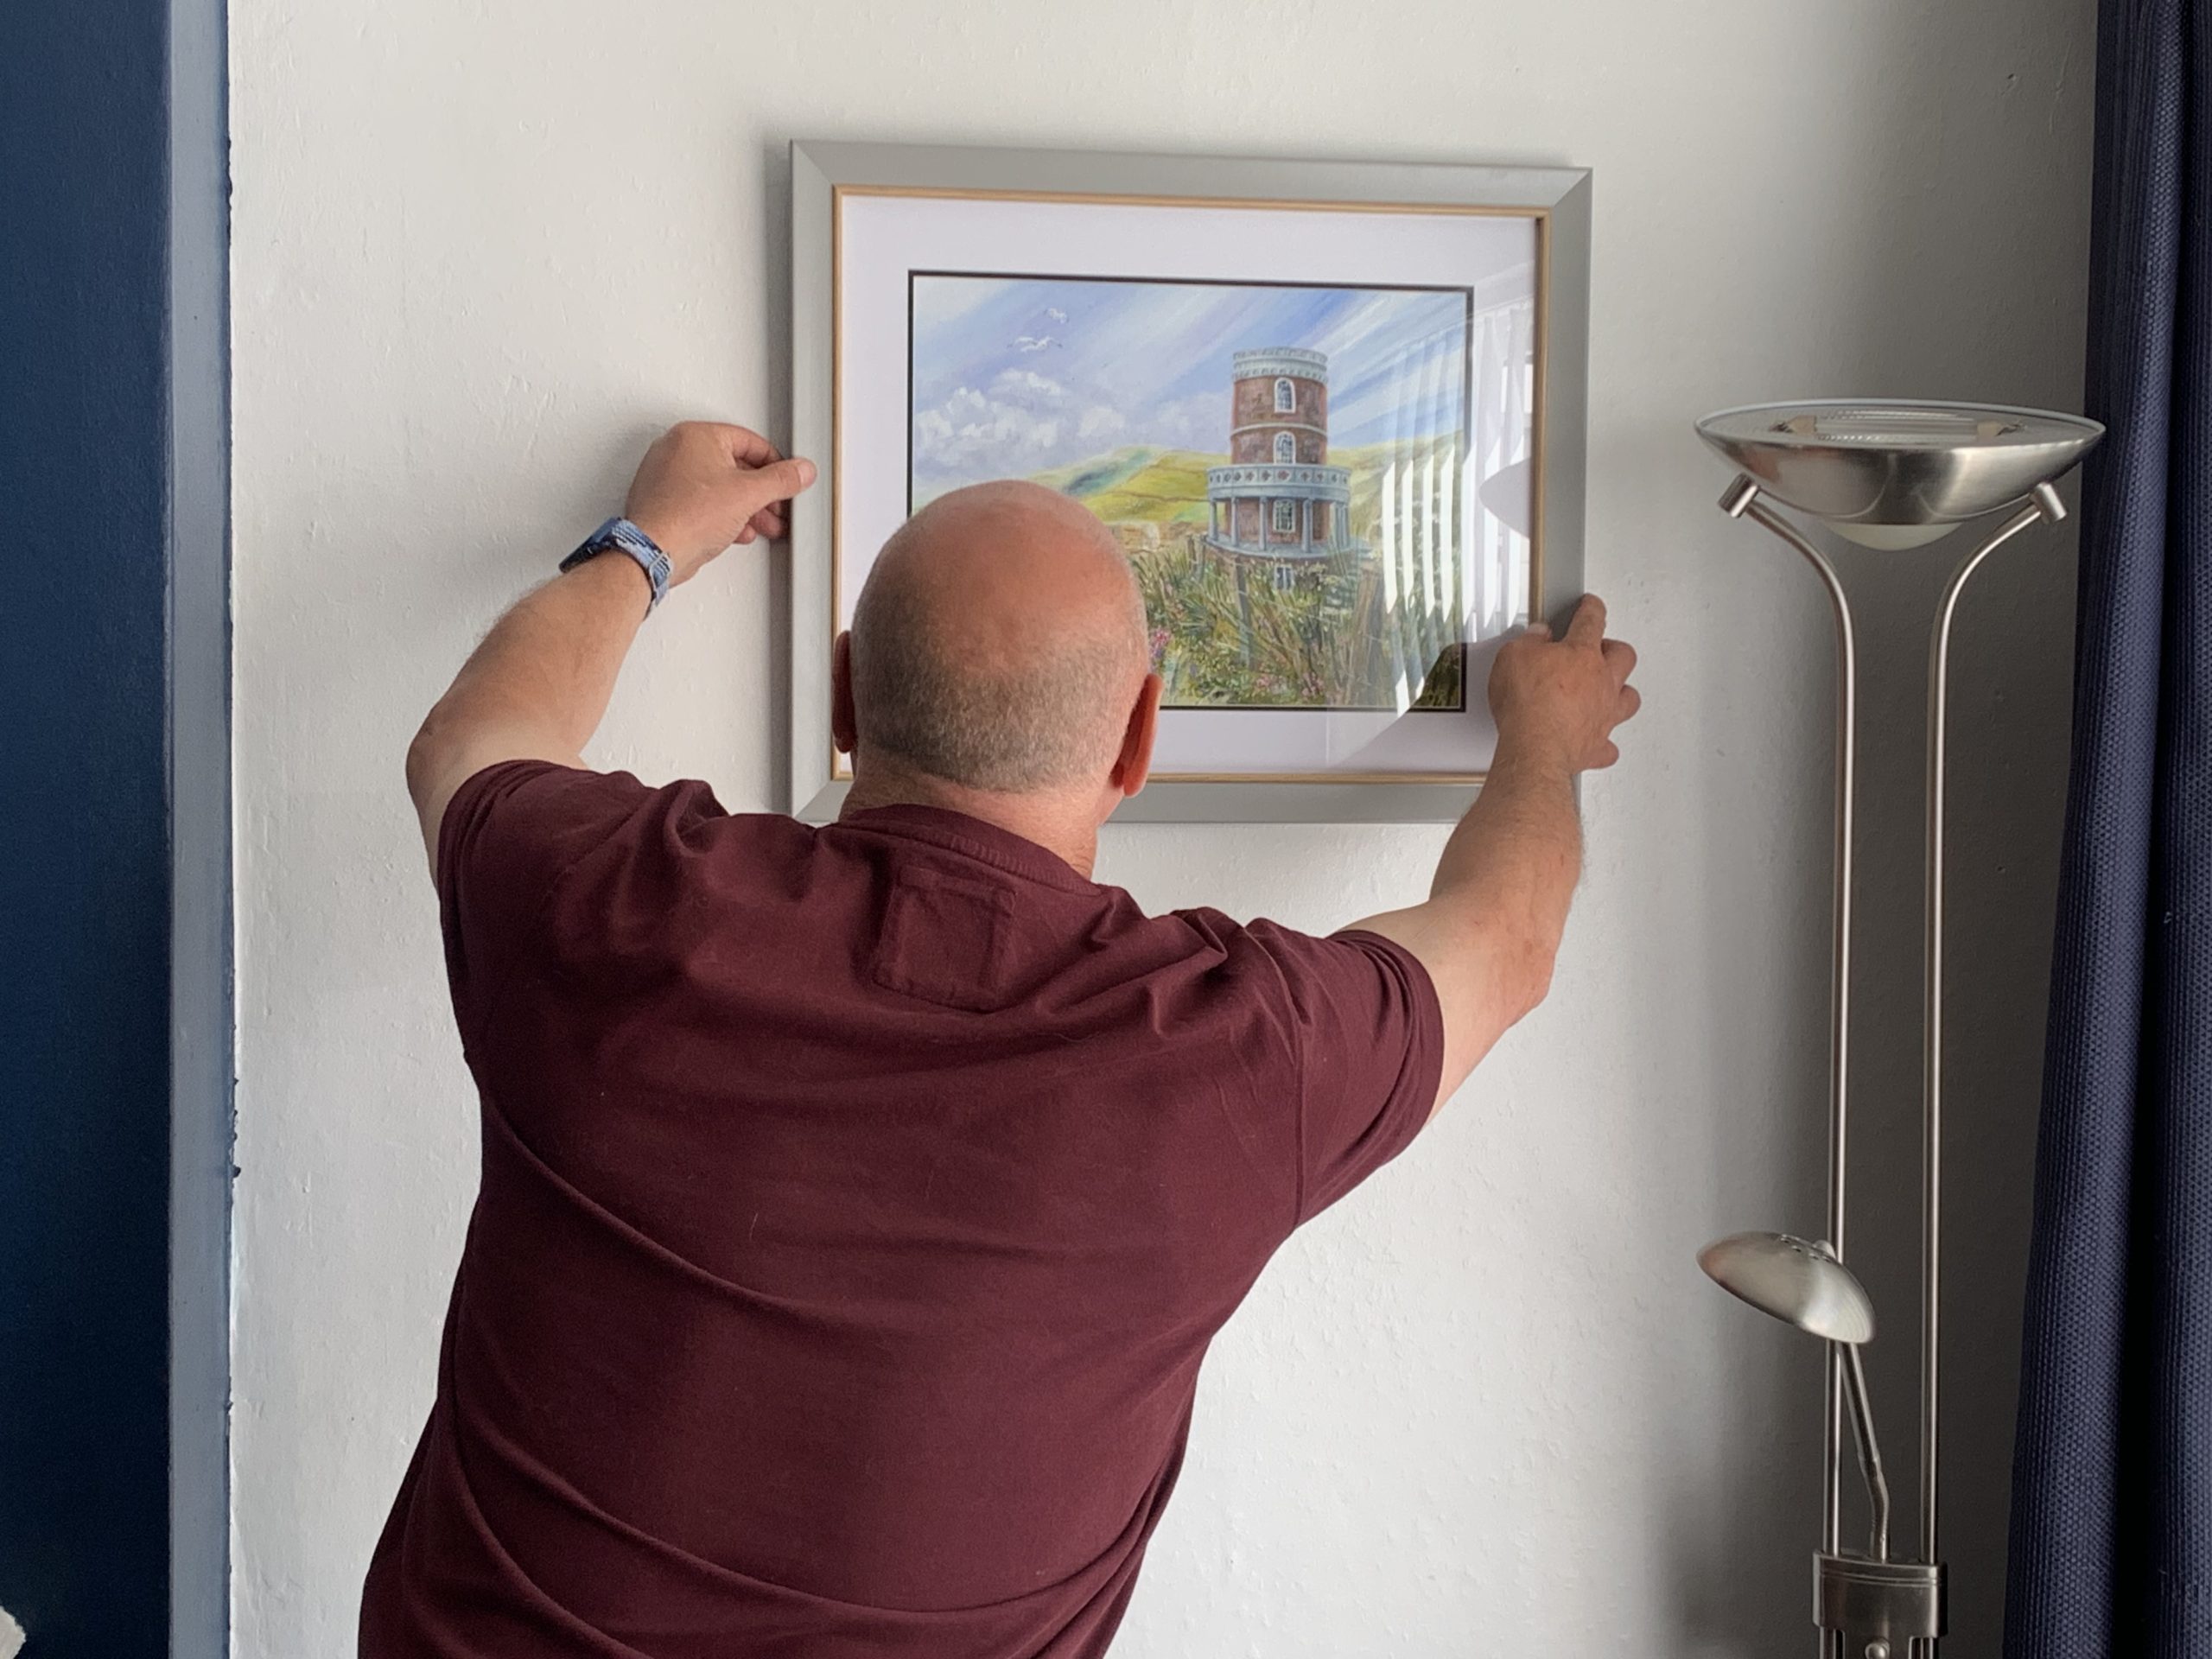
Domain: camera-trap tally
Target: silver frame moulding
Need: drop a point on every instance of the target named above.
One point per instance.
(1557, 197)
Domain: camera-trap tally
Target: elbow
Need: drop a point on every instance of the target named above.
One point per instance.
(424, 752)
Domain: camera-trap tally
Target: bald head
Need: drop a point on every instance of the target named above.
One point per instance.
(998, 643)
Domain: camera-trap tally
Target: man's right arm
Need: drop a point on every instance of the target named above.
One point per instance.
(537, 686)
(1490, 929)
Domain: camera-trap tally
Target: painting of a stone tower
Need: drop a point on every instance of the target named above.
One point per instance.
(1283, 464)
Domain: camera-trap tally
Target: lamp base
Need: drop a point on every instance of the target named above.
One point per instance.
(1880, 1607)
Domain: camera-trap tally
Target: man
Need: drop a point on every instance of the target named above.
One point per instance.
(857, 1203)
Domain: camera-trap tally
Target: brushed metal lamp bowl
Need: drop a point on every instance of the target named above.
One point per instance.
(1890, 474)
(1901, 474)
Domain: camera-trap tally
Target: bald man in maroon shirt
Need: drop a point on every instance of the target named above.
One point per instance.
(857, 1203)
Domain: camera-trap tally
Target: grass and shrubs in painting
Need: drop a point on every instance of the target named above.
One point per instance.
(1228, 631)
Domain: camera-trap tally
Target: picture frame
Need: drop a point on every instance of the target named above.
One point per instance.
(1324, 616)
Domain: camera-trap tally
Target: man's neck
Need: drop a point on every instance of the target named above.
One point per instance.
(1059, 826)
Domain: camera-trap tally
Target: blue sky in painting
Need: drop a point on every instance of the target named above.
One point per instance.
(1015, 375)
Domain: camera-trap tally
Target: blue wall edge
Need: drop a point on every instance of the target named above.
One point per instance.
(116, 1007)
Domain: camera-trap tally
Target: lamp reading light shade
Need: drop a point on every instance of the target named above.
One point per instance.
(1790, 1280)
(1900, 474)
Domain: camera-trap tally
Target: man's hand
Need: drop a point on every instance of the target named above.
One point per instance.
(1562, 698)
(703, 487)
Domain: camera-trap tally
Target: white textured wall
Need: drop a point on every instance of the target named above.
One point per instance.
(482, 251)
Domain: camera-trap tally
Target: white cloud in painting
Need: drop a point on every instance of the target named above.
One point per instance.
(1101, 423)
(1022, 422)
(1028, 385)
(1199, 422)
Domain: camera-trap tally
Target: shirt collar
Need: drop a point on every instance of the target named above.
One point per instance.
(957, 832)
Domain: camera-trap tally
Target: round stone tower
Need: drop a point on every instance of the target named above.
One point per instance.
(1278, 498)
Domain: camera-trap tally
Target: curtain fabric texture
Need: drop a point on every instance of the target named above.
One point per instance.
(2112, 1499)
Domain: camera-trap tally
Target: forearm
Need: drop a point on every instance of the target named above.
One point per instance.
(1490, 929)
(549, 665)
(1513, 862)
(535, 690)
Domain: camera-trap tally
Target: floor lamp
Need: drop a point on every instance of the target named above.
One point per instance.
(1893, 476)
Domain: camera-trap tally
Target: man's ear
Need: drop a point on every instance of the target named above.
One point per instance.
(1134, 765)
(844, 730)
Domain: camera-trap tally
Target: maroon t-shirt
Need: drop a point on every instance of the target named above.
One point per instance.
(857, 1205)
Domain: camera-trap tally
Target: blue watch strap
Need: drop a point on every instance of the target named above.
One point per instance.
(620, 536)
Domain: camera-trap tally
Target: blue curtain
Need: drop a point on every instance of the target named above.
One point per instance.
(2112, 1497)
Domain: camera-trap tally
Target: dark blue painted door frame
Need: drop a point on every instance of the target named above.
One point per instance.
(115, 1023)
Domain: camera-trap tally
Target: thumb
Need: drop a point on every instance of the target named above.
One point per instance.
(778, 480)
(1587, 626)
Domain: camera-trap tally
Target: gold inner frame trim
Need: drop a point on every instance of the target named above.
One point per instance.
(840, 771)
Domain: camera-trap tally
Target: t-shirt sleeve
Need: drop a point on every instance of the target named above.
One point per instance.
(510, 833)
(1369, 1040)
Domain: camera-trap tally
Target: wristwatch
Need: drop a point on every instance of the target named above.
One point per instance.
(620, 536)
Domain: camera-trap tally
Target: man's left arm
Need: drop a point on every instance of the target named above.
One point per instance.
(538, 686)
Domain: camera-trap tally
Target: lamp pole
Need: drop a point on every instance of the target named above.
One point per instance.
(2044, 506)
(1742, 500)
(1869, 1607)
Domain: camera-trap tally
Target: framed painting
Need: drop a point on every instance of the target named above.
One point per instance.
(1333, 412)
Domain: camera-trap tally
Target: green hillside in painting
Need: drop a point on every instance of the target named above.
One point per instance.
(1139, 485)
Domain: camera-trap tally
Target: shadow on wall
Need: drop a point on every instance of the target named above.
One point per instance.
(772, 328)
(1746, 1490)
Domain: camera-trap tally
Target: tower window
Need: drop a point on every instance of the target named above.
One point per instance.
(1286, 397)
(1285, 518)
(1286, 447)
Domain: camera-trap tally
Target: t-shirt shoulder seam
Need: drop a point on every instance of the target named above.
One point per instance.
(492, 1002)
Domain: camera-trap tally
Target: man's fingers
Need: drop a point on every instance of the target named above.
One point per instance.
(777, 481)
(1537, 631)
(1630, 701)
(1620, 656)
(791, 476)
(764, 490)
(1587, 626)
(746, 447)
